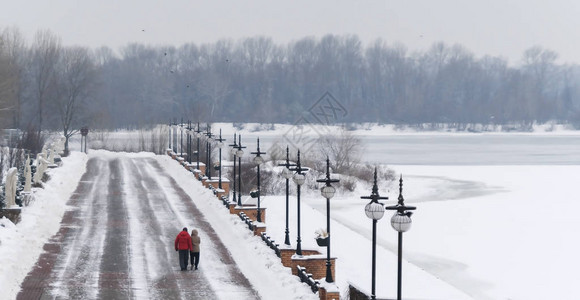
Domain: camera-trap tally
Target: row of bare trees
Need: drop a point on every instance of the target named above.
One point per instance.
(44, 85)
(256, 80)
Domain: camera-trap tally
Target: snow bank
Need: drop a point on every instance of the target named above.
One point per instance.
(22, 244)
(258, 262)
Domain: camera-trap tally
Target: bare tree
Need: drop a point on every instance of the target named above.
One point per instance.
(343, 149)
(13, 49)
(8, 83)
(76, 78)
(45, 53)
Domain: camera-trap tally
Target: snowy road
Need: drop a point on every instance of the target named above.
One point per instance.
(116, 241)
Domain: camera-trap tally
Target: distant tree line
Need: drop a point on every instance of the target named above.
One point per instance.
(47, 85)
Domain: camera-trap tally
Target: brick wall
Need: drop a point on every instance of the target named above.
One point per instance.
(220, 194)
(314, 265)
(286, 257)
(251, 212)
(226, 186)
(259, 229)
(324, 295)
(201, 168)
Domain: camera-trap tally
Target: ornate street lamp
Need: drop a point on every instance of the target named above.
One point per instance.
(209, 140)
(197, 135)
(286, 173)
(239, 154)
(401, 222)
(234, 151)
(299, 178)
(374, 211)
(258, 160)
(327, 192)
(220, 145)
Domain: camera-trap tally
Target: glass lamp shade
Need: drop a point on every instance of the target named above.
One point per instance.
(198, 135)
(209, 139)
(327, 191)
(220, 145)
(234, 151)
(299, 178)
(286, 173)
(401, 223)
(240, 153)
(258, 160)
(374, 210)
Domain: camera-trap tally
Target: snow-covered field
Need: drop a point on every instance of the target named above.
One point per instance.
(479, 232)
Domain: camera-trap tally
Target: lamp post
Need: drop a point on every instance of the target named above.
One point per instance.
(258, 160)
(188, 131)
(197, 135)
(174, 143)
(169, 131)
(374, 211)
(234, 151)
(286, 173)
(299, 179)
(401, 222)
(239, 154)
(220, 145)
(327, 192)
(208, 149)
(181, 138)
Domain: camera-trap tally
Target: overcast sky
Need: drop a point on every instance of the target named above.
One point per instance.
(496, 27)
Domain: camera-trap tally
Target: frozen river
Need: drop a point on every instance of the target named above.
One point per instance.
(454, 149)
(474, 149)
(462, 149)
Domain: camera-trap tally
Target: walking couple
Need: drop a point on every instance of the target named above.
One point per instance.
(187, 245)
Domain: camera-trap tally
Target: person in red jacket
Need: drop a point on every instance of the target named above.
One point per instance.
(183, 245)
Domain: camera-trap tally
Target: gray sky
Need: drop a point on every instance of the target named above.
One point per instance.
(497, 27)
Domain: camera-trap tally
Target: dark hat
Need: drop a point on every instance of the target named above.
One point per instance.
(184, 228)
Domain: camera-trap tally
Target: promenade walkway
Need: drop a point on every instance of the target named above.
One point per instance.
(116, 241)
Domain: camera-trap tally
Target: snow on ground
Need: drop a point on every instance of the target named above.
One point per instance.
(21, 244)
(492, 232)
(514, 244)
(479, 232)
(258, 262)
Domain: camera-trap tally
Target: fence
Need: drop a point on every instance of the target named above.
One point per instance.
(307, 278)
(271, 243)
(247, 220)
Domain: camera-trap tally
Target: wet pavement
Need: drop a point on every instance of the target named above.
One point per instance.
(116, 241)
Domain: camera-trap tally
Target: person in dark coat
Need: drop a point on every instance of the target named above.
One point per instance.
(195, 241)
(183, 245)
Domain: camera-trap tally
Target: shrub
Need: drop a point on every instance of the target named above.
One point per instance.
(348, 183)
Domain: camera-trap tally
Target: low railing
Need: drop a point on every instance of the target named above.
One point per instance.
(307, 278)
(212, 189)
(247, 220)
(271, 243)
(225, 201)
